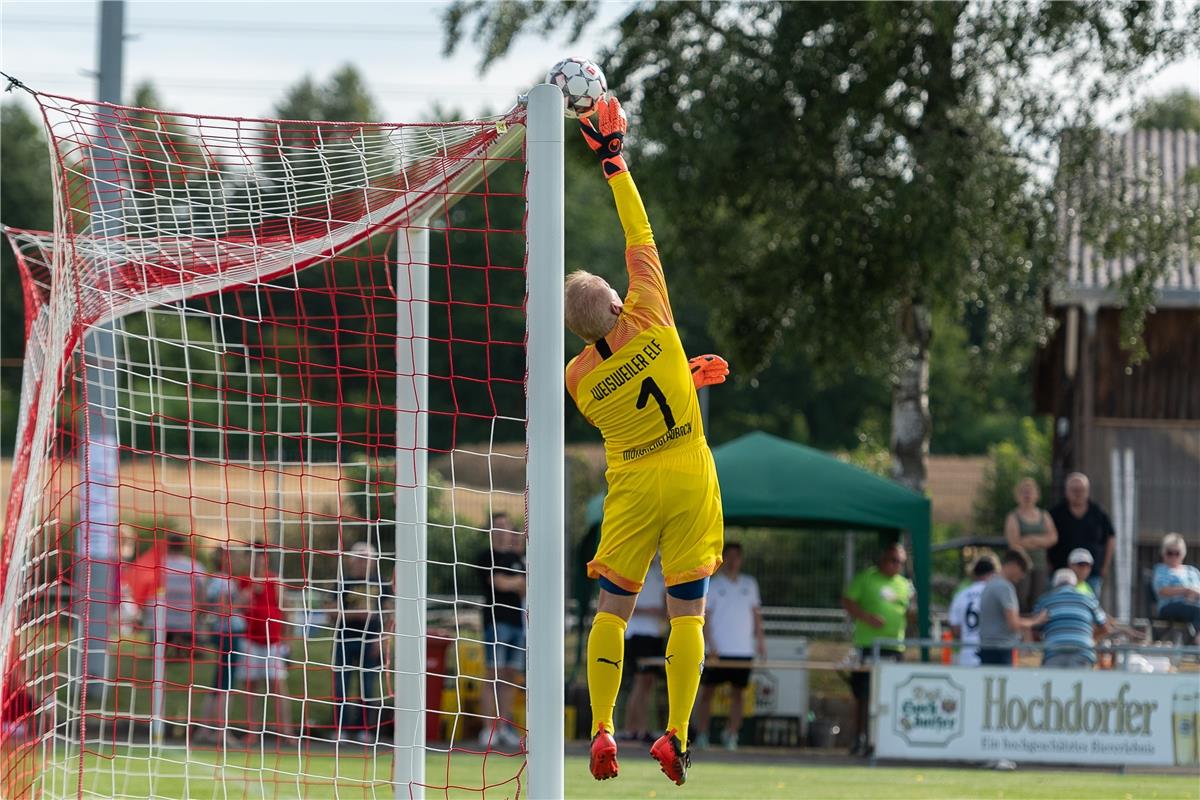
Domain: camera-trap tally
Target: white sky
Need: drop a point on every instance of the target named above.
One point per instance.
(237, 58)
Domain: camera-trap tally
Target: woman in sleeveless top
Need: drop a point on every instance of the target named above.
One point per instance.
(1030, 529)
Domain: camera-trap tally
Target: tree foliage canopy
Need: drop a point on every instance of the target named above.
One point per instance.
(1177, 110)
(27, 199)
(832, 162)
(836, 178)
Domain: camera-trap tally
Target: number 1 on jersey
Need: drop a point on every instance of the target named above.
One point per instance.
(650, 389)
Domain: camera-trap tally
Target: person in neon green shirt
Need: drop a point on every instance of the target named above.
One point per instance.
(1080, 561)
(880, 600)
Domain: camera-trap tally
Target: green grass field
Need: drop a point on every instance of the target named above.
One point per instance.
(207, 775)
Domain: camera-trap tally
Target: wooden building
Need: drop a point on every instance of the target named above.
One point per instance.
(1133, 429)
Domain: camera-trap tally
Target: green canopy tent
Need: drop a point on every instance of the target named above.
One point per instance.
(767, 481)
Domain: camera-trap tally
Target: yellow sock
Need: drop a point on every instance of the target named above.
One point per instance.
(685, 659)
(606, 651)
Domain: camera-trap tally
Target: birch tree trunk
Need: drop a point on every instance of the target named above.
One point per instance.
(911, 424)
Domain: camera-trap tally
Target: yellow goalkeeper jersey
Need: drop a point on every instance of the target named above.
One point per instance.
(635, 384)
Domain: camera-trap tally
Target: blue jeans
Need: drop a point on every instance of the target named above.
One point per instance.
(355, 657)
(1077, 659)
(228, 656)
(504, 645)
(1180, 611)
(1096, 582)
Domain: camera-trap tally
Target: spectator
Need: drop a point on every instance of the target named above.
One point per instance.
(141, 578)
(733, 632)
(129, 611)
(644, 639)
(1030, 530)
(183, 590)
(964, 611)
(1080, 562)
(880, 600)
(363, 600)
(224, 601)
(1072, 619)
(503, 629)
(1177, 585)
(1082, 523)
(263, 657)
(1000, 624)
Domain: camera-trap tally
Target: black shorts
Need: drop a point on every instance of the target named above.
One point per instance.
(737, 676)
(638, 647)
(860, 682)
(996, 656)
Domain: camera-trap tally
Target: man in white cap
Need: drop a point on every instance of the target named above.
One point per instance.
(1080, 561)
(1073, 619)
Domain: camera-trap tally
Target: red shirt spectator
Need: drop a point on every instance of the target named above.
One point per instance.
(143, 577)
(262, 608)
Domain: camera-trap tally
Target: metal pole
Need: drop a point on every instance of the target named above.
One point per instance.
(158, 695)
(544, 477)
(112, 51)
(412, 468)
(848, 565)
(1124, 557)
(100, 514)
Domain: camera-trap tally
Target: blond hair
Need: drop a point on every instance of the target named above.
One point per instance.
(587, 306)
(1172, 540)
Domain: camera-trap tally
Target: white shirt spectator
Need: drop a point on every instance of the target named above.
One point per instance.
(647, 620)
(964, 615)
(225, 604)
(730, 621)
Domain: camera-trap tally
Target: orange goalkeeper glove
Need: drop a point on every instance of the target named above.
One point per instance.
(707, 370)
(607, 141)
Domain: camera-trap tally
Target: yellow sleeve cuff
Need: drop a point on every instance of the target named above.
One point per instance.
(631, 211)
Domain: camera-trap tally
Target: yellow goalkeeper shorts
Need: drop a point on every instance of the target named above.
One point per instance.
(668, 501)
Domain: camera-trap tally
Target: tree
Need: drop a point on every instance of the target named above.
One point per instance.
(1177, 110)
(171, 170)
(343, 98)
(839, 174)
(1025, 455)
(27, 198)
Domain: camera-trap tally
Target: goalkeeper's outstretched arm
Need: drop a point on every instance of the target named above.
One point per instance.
(631, 211)
(607, 142)
(592, 307)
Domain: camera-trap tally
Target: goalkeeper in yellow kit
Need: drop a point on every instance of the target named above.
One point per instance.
(633, 381)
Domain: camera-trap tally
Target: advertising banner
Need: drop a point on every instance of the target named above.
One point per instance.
(931, 712)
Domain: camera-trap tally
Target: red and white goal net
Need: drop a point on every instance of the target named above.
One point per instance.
(274, 396)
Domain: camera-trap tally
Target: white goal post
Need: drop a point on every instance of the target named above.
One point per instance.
(546, 599)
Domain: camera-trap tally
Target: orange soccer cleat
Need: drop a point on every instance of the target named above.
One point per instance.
(604, 755)
(670, 756)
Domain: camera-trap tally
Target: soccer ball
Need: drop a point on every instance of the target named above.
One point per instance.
(582, 84)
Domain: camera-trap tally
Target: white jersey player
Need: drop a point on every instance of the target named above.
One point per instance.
(964, 612)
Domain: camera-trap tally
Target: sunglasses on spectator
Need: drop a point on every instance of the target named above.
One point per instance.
(894, 560)
(1174, 552)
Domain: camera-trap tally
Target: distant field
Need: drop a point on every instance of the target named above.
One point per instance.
(206, 775)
